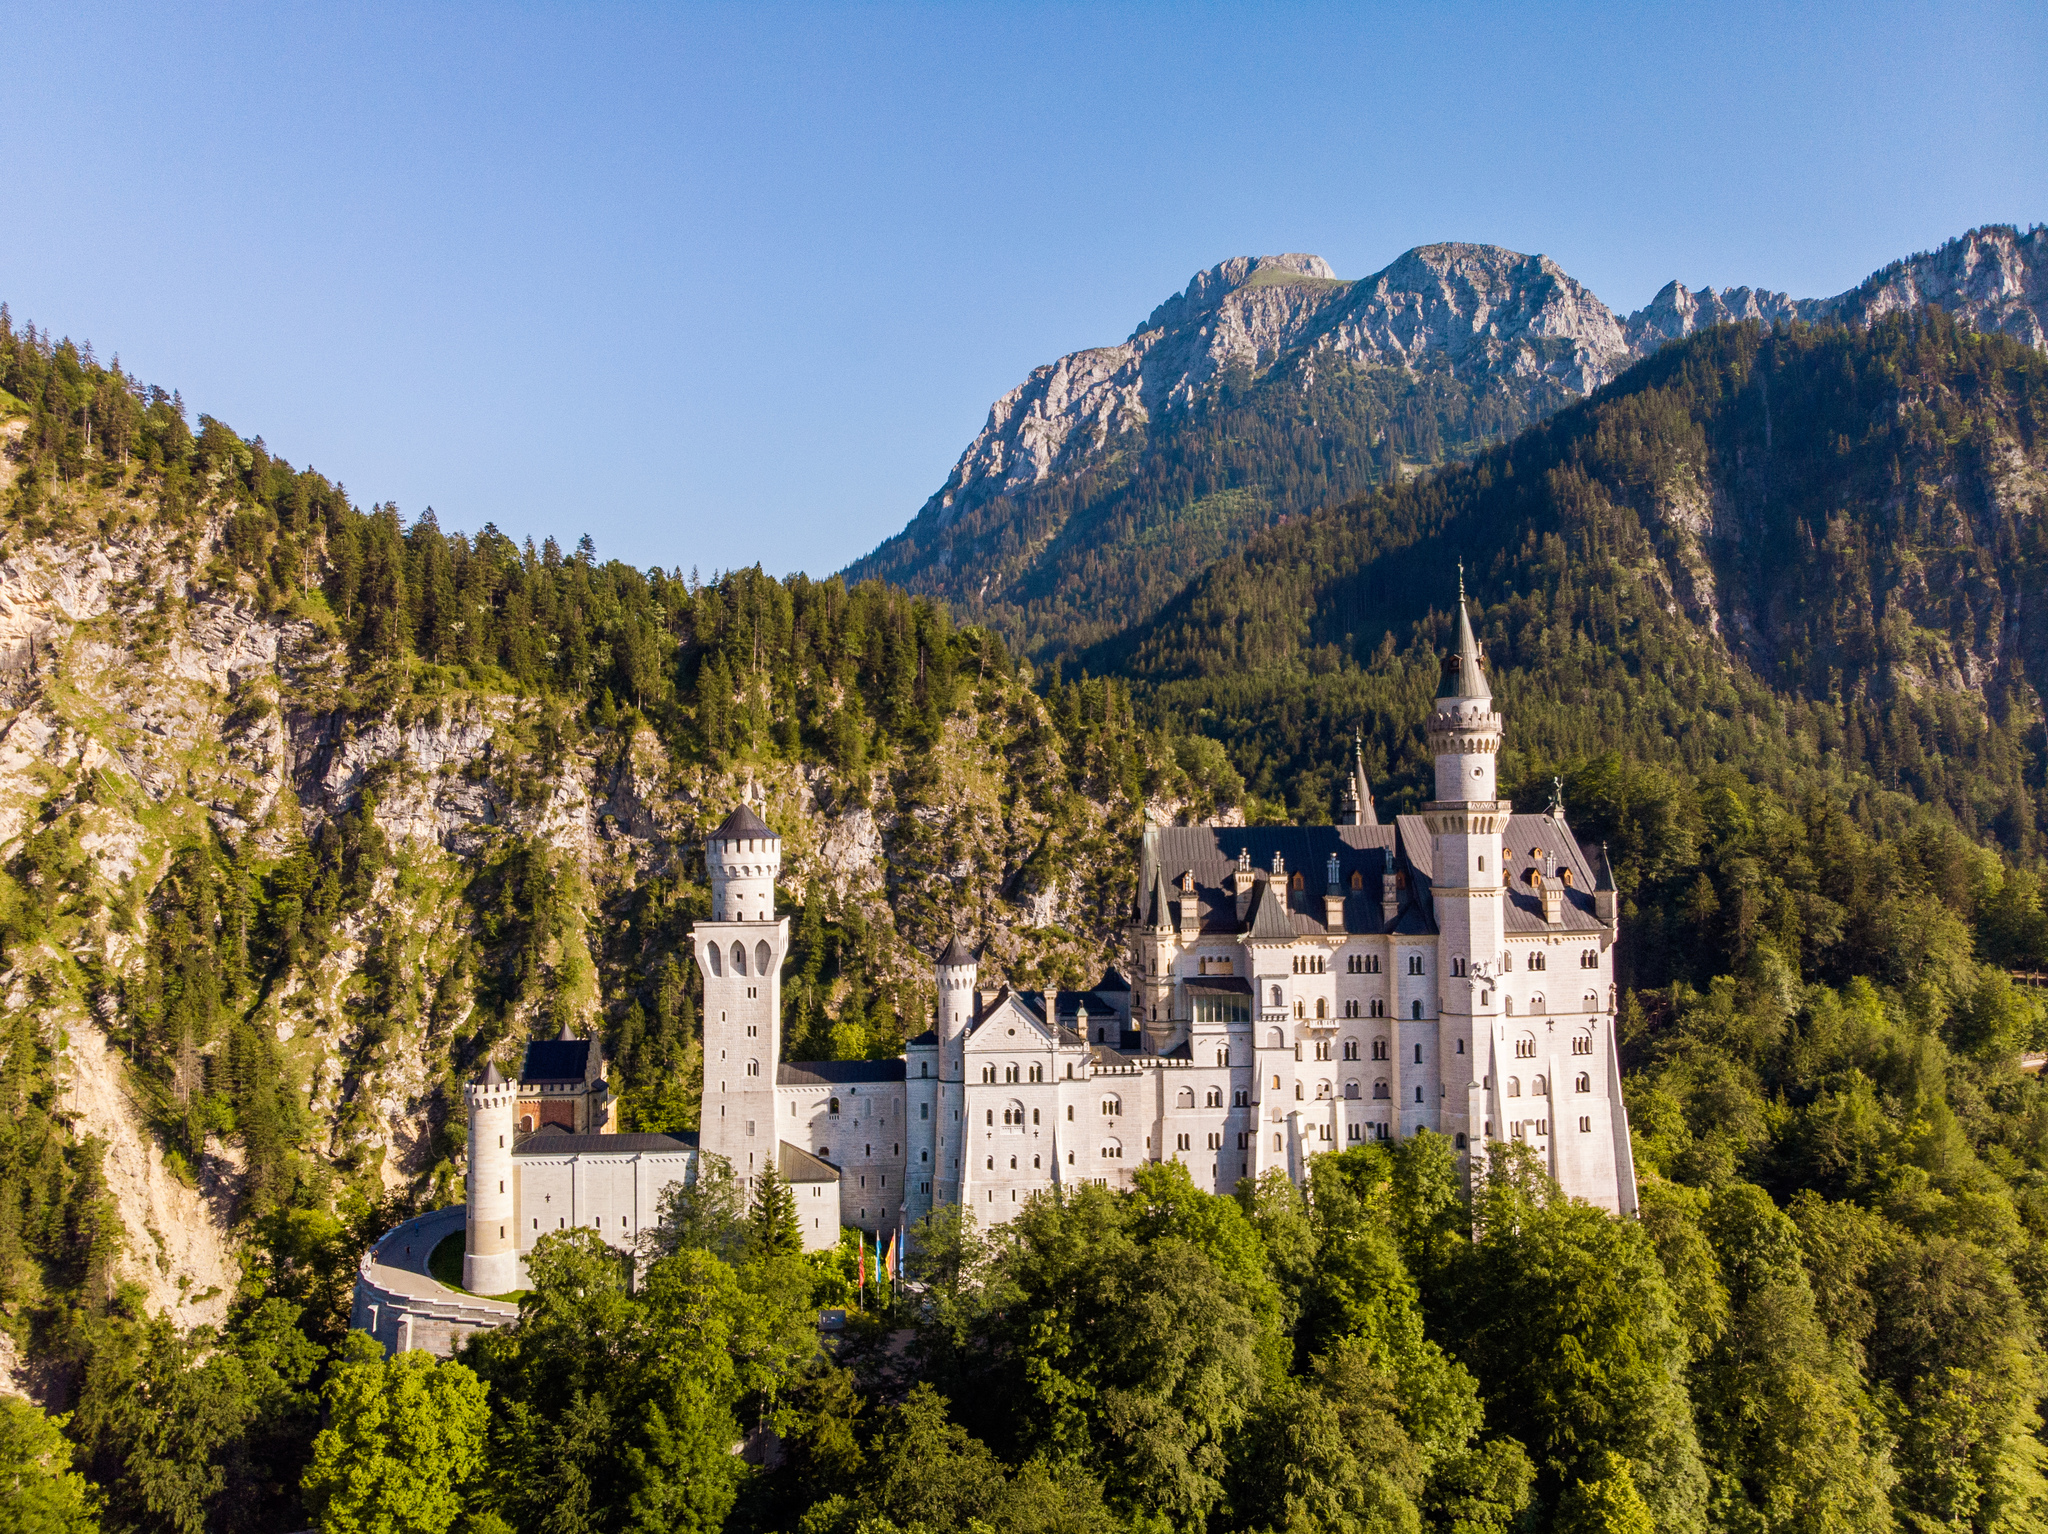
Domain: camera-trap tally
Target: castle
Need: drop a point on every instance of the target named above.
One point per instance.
(1292, 990)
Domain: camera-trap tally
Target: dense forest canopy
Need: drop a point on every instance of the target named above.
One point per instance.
(1762, 607)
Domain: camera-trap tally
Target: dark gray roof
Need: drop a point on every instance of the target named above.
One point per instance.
(957, 953)
(1112, 981)
(832, 1073)
(551, 1142)
(1466, 679)
(1548, 837)
(799, 1165)
(1219, 985)
(929, 1039)
(1210, 854)
(492, 1076)
(742, 825)
(562, 1060)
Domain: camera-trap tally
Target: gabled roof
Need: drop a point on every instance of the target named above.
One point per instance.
(1112, 981)
(957, 954)
(742, 825)
(833, 1073)
(558, 1059)
(1270, 920)
(798, 1165)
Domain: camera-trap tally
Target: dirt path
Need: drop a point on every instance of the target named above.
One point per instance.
(177, 1249)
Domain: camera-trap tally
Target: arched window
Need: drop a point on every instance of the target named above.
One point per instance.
(1322, 1007)
(1015, 1117)
(762, 957)
(1186, 1098)
(1357, 880)
(834, 1107)
(1536, 1004)
(1514, 1086)
(1322, 1091)
(753, 1067)
(1415, 1009)
(717, 957)
(1276, 1081)
(1584, 1083)
(739, 958)
(1274, 1038)
(1459, 1141)
(1508, 1005)
(1379, 1090)
(1276, 997)
(1112, 1107)
(1538, 1087)
(1591, 1003)
(1351, 1090)
(1297, 883)
(1277, 1145)
(1525, 1047)
(1457, 965)
(1113, 1150)
(1582, 1044)
(1351, 1049)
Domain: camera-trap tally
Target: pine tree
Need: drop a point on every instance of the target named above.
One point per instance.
(775, 1229)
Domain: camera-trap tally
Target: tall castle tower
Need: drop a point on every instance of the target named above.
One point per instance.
(1465, 823)
(957, 969)
(490, 1258)
(740, 953)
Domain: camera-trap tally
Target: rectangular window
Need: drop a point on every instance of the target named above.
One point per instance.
(924, 1110)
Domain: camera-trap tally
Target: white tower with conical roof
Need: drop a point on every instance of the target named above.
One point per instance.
(740, 953)
(1466, 821)
(490, 1257)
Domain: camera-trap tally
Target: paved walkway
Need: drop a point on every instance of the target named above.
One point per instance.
(404, 1307)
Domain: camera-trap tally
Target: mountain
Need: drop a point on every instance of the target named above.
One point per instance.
(1269, 388)
(307, 811)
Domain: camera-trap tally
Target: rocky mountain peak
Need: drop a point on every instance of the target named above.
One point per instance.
(1206, 290)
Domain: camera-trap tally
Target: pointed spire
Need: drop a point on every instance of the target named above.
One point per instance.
(1360, 786)
(1464, 679)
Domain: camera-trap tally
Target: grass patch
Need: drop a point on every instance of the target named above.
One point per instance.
(444, 1263)
(1281, 277)
(444, 1266)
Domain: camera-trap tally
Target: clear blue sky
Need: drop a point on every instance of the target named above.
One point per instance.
(725, 285)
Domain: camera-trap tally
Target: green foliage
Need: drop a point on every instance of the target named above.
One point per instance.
(405, 1448)
(39, 1491)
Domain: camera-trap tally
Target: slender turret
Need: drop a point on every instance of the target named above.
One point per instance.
(1466, 822)
(739, 954)
(490, 1258)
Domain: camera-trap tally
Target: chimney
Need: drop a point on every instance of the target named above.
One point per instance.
(1190, 907)
(1553, 895)
(1052, 1008)
(1390, 898)
(1333, 910)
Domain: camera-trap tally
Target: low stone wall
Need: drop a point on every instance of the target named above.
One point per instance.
(404, 1307)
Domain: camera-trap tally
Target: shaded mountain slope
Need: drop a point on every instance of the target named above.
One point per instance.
(1269, 388)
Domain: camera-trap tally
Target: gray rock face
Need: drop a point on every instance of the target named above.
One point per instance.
(1512, 317)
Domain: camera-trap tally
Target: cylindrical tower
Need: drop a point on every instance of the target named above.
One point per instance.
(743, 857)
(956, 971)
(490, 1258)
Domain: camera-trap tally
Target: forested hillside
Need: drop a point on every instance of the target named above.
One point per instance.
(308, 809)
(1270, 388)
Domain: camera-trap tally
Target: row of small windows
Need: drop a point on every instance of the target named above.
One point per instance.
(1011, 1076)
(1538, 1086)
